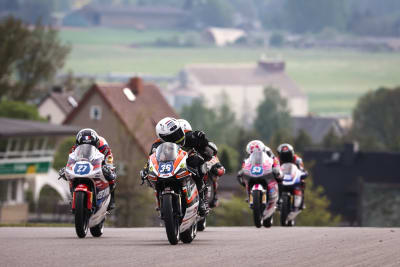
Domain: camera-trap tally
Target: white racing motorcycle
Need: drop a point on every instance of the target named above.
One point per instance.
(291, 195)
(90, 190)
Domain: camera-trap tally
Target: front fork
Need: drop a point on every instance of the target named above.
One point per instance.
(89, 196)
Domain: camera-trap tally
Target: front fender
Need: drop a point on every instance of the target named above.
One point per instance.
(83, 188)
(258, 187)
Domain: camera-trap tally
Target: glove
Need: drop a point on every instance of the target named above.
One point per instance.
(304, 175)
(108, 173)
(143, 175)
(61, 174)
(200, 135)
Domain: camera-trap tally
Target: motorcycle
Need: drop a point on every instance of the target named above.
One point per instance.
(177, 194)
(257, 172)
(210, 180)
(291, 198)
(90, 190)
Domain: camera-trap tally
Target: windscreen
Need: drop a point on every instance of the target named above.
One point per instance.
(85, 152)
(288, 168)
(257, 158)
(167, 152)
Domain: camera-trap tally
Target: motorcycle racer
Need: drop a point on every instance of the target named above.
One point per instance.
(217, 170)
(90, 136)
(257, 146)
(171, 130)
(286, 154)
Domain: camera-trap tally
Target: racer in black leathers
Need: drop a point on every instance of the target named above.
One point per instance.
(196, 143)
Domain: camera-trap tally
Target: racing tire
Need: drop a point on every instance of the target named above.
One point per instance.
(285, 210)
(267, 223)
(81, 214)
(97, 230)
(188, 236)
(257, 212)
(171, 221)
(202, 224)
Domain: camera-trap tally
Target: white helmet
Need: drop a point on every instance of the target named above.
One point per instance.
(185, 125)
(255, 145)
(169, 130)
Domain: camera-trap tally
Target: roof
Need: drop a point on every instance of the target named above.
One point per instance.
(224, 36)
(64, 100)
(316, 127)
(140, 116)
(243, 75)
(16, 127)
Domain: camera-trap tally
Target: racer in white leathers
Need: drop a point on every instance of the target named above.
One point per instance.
(272, 186)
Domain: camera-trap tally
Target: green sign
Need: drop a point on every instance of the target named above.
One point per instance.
(24, 168)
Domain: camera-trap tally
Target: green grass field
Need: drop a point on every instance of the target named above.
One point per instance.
(333, 79)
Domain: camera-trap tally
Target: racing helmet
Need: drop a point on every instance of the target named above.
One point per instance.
(87, 136)
(185, 125)
(255, 145)
(170, 130)
(285, 152)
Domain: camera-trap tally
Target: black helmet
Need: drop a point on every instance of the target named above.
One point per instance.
(285, 152)
(87, 136)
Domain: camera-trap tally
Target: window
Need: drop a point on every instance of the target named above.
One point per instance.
(95, 113)
(3, 190)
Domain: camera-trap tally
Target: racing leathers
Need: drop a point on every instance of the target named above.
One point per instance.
(272, 185)
(107, 166)
(299, 190)
(197, 145)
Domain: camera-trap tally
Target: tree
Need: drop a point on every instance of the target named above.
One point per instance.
(376, 120)
(331, 140)
(19, 110)
(315, 15)
(272, 115)
(213, 13)
(61, 155)
(27, 57)
(229, 158)
(302, 141)
(316, 212)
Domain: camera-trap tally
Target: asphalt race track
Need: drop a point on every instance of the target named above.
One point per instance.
(217, 246)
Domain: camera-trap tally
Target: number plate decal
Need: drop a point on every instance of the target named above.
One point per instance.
(166, 167)
(256, 170)
(82, 169)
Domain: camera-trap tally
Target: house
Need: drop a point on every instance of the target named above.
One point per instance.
(317, 127)
(126, 16)
(26, 155)
(57, 105)
(223, 36)
(126, 115)
(242, 83)
(359, 183)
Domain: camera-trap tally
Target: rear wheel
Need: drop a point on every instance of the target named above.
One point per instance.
(257, 208)
(170, 220)
(285, 210)
(81, 214)
(189, 234)
(97, 230)
(202, 224)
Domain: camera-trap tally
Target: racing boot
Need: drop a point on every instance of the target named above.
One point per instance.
(111, 205)
(203, 203)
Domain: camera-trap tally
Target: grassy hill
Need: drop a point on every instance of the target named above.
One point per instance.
(333, 79)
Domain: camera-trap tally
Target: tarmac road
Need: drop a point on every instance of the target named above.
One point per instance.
(217, 246)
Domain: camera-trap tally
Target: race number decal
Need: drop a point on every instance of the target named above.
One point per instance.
(256, 170)
(165, 167)
(82, 169)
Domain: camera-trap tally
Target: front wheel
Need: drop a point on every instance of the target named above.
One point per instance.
(285, 210)
(97, 230)
(81, 214)
(170, 220)
(257, 208)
